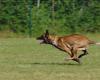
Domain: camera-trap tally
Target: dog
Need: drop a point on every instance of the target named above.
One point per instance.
(70, 44)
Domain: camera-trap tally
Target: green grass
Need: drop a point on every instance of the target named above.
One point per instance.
(26, 59)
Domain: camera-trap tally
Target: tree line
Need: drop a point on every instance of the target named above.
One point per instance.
(60, 16)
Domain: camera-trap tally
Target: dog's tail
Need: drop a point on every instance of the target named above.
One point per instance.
(97, 43)
(93, 42)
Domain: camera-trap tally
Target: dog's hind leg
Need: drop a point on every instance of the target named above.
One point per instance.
(85, 52)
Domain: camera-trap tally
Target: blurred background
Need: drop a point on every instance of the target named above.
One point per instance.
(30, 18)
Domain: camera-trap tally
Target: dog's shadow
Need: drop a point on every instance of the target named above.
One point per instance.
(53, 63)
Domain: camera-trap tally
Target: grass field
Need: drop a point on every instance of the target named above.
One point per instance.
(26, 59)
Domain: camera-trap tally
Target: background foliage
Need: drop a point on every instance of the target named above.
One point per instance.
(60, 16)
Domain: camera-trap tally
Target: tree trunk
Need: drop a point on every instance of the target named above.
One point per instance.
(53, 13)
(38, 3)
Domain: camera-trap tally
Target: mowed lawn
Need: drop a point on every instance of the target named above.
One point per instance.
(26, 59)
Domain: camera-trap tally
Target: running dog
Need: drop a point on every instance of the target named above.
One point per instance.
(70, 44)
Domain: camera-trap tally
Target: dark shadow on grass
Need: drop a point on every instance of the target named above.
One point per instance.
(54, 63)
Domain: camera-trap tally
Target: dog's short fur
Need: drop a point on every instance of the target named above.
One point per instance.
(70, 44)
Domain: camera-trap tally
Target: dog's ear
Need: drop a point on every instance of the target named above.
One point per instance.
(47, 32)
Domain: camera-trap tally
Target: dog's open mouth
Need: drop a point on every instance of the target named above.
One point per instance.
(41, 41)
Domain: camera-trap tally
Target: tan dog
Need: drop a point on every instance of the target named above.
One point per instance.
(70, 44)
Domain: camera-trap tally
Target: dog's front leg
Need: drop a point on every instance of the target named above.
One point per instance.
(74, 54)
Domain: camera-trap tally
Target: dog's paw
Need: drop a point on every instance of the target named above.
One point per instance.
(66, 59)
